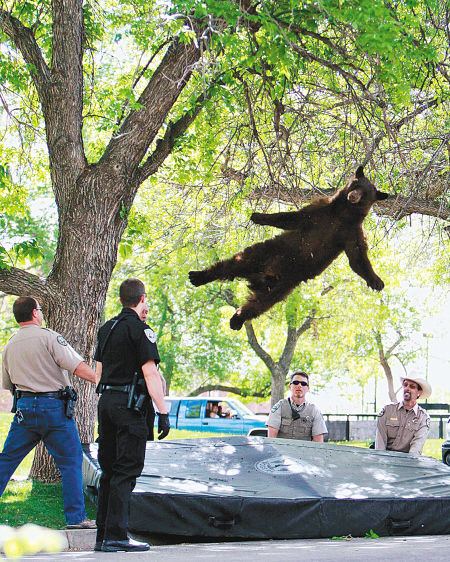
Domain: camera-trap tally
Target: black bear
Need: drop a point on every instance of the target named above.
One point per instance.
(315, 236)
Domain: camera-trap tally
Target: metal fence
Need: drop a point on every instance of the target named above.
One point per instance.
(361, 427)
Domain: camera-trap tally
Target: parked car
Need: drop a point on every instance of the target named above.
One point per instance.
(446, 446)
(212, 415)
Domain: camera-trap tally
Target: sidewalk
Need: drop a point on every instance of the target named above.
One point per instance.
(431, 548)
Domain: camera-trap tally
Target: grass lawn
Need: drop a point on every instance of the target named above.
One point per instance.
(27, 501)
(432, 448)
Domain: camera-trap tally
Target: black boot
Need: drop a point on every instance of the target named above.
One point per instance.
(127, 545)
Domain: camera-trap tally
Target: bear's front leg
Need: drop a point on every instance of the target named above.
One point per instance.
(198, 278)
(375, 283)
(360, 263)
(227, 270)
(287, 221)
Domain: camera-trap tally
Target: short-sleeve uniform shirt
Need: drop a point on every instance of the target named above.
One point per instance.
(38, 359)
(124, 350)
(402, 430)
(309, 423)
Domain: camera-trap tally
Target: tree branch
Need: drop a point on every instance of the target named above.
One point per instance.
(293, 334)
(255, 129)
(14, 281)
(385, 365)
(141, 126)
(391, 349)
(23, 38)
(254, 344)
(289, 348)
(63, 105)
(396, 206)
(60, 89)
(165, 145)
(350, 78)
(225, 388)
(308, 33)
(398, 125)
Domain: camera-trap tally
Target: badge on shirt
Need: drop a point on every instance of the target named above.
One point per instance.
(151, 336)
(275, 408)
(381, 412)
(61, 340)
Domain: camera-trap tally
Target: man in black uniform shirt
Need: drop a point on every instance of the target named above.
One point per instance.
(125, 346)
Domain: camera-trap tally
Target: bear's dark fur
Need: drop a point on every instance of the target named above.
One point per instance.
(315, 236)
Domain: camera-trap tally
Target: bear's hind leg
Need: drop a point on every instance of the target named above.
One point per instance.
(257, 303)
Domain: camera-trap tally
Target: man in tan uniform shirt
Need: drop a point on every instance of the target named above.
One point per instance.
(35, 362)
(404, 426)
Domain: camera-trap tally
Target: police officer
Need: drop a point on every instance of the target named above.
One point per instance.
(294, 418)
(404, 426)
(125, 346)
(35, 361)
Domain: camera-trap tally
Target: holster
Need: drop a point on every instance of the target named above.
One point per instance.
(14, 403)
(69, 397)
(137, 396)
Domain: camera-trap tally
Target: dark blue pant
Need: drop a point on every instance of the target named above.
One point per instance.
(44, 419)
(122, 436)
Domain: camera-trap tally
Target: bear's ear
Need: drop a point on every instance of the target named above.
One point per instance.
(381, 195)
(359, 172)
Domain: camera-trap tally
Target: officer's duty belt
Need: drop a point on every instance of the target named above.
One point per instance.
(25, 394)
(123, 388)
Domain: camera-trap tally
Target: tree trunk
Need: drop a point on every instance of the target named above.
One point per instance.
(278, 369)
(278, 376)
(43, 468)
(77, 287)
(390, 382)
(384, 361)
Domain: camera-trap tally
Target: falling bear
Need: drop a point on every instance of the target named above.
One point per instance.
(314, 237)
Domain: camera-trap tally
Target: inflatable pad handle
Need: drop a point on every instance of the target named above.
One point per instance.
(220, 523)
(399, 525)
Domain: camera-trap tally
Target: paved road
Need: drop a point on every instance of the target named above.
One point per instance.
(421, 549)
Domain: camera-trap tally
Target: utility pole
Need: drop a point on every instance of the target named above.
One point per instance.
(427, 336)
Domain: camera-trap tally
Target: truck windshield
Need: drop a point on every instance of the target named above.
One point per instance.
(241, 407)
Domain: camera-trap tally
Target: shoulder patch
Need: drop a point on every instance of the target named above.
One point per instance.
(276, 406)
(428, 421)
(381, 412)
(61, 340)
(150, 334)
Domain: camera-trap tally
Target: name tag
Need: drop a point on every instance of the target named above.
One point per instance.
(394, 419)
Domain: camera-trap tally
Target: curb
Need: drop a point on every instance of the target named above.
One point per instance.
(80, 539)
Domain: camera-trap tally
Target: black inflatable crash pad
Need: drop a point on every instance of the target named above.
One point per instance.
(261, 488)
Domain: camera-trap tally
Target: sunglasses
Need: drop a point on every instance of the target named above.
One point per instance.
(303, 383)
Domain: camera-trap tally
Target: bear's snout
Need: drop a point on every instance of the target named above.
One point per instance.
(355, 196)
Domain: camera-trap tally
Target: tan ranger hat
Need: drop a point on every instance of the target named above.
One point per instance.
(424, 385)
